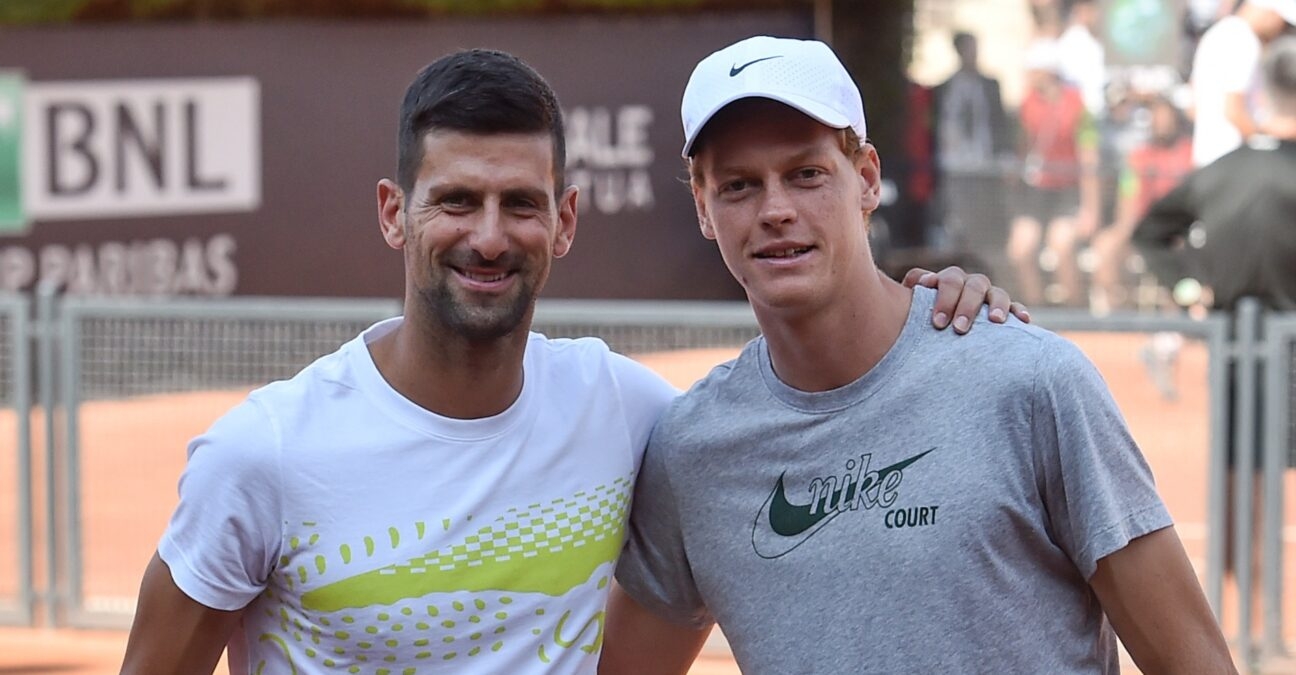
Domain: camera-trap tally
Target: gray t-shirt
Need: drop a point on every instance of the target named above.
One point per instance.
(941, 514)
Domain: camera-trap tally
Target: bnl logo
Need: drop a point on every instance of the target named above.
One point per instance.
(127, 148)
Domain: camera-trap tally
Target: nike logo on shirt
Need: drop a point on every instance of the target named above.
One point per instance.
(782, 526)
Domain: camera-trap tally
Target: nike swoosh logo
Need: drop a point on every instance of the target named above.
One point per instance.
(782, 526)
(735, 69)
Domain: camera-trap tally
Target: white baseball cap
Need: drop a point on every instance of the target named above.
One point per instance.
(804, 74)
(1284, 8)
(1044, 54)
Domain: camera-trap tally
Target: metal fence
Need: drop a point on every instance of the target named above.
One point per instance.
(643, 327)
(114, 349)
(100, 362)
(16, 600)
(1278, 439)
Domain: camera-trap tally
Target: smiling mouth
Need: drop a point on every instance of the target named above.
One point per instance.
(483, 277)
(784, 253)
(486, 278)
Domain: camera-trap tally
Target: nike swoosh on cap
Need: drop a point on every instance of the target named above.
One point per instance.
(735, 69)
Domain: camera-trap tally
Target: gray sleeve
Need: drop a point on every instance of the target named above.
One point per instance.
(654, 567)
(1097, 488)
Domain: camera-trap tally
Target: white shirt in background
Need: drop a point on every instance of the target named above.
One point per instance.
(1227, 61)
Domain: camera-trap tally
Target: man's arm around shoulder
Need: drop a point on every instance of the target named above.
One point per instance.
(1150, 593)
(638, 642)
(172, 633)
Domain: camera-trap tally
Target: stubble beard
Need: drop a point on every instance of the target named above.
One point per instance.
(477, 322)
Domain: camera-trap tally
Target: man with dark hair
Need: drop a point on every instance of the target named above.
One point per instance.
(483, 92)
(412, 501)
(447, 491)
(824, 497)
(1231, 226)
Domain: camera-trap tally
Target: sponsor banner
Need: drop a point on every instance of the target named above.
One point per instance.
(245, 162)
(100, 149)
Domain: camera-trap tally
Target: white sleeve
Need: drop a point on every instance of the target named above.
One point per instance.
(645, 395)
(1237, 71)
(224, 537)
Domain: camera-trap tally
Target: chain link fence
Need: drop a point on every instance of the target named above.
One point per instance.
(136, 380)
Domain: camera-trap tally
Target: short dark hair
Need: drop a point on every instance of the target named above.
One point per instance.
(1280, 74)
(477, 91)
(962, 38)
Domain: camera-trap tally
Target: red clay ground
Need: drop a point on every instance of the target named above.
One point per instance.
(133, 451)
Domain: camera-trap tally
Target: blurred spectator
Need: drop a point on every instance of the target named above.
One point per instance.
(972, 144)
(918, 191)
(1152, 169)
(1081, 54)
(1203, 13)
(1225, 78)
(1229, 231)
(1199, 17)
(1057, 200)
(1047, 17)
(1230, 227)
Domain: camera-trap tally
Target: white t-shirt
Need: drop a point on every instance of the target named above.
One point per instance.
(366, 534)
(1083, 65)
(1227, 62)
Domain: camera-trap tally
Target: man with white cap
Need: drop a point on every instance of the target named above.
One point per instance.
(823, 501)
(1226, 76)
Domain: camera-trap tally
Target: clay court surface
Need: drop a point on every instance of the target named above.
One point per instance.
(133, 452)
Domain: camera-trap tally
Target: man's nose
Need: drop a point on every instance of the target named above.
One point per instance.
(777, 207)
(489, 238)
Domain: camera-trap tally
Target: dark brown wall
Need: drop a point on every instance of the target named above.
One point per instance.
(329, 98)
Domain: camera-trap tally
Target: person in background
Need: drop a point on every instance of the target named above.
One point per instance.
(1046, 18)
(1083, 63)
(1225, 76)
(973, 143)
(1230, 227)
(1058, 197)
(1152, 169)
(1229, 232)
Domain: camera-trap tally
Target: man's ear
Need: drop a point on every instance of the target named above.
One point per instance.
(391, 213)
(704, 218)
(566, 228)
(869, 168)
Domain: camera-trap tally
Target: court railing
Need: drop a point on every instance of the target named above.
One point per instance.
(15, 450)
(113, 348)
(88, 349)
